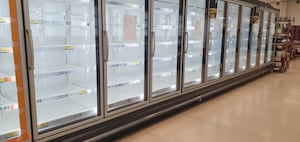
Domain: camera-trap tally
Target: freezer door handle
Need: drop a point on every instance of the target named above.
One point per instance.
(153, 44)
(242, 39)
(227, 40)
(186, 42)
(210, 40)
(105, 46)
(30, 49)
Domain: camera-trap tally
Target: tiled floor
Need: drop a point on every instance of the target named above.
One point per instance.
(265, 110)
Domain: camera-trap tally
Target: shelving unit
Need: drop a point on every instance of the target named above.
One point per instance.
(283, 43)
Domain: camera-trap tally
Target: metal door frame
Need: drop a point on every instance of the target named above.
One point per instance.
(105, 51)
(225, 44)
(61, 130)
(251, 38)
(18, 45)
(192, 86)
(206, 81)
(260, 33)
(168, 95)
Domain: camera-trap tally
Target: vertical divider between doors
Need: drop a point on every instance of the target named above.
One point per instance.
(238, 45)
(183, 44)
(224, 41)
(17, 36)
(104, 73)
(150, 46)
(100, 65)
(31, 82)
(206, 43)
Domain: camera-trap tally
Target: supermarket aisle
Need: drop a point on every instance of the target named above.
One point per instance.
(265, 110)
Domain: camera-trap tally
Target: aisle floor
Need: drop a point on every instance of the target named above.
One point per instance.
(265, 110)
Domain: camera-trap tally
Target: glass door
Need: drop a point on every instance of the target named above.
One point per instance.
(271, 36)
(65, 61)
(13, 122)
(244, 38)
(9, 109)
(231, 41)
(165, 56)
(263, 40)
(125, 59)
(254, 39)
(215, 43)
(194, 38)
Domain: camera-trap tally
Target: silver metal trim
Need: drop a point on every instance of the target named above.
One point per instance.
(30, 49)
(186, 42)
(239, 40)
(105, 46)
(153, 44)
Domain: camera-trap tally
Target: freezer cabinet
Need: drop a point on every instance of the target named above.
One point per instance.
(14, 125)
(63, 61)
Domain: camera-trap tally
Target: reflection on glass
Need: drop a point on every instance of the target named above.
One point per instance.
(244, 37)
(9, 110)
(166, 22)
(254, 44)
(264, 38)
(125, 21)
(215, 43)
(230, 45)
(65, 77)
(195, 28)
(272, 32)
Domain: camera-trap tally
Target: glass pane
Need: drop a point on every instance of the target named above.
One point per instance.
(232, 29)
(272, 32)
(264, 38)
(254, 44)
(244, 37)
(166, 22)
(65, 71)
(195, 27)
(125, 21)
(9, 111)
(215, 45)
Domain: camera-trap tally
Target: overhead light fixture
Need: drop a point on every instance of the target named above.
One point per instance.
(277, 3)
(297, 1)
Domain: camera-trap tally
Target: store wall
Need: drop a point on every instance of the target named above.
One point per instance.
(293, 10)
(290, 8)
(283, 6)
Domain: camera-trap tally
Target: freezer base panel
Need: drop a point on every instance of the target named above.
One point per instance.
(113, 128)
